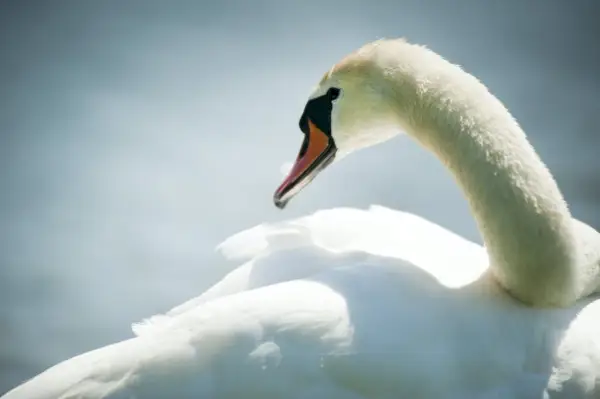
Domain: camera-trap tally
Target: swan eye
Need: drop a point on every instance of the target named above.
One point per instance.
(333, 93)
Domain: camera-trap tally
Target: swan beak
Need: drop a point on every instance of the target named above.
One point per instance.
(318, 151)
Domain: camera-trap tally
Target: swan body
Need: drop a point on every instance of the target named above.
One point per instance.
(377, 303)
(351, 315)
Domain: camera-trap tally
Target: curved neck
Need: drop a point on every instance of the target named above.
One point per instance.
(524, 221)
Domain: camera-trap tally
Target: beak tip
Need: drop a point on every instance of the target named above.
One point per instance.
(280, 203)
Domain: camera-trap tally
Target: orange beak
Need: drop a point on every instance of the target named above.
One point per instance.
(318, 151)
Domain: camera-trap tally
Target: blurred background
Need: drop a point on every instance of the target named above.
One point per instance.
(137, 135)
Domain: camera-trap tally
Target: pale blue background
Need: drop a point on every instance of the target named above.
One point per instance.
(136, 135)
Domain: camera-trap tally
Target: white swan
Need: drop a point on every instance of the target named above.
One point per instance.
(377, 303)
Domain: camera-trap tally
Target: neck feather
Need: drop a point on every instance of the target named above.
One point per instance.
(524, 221)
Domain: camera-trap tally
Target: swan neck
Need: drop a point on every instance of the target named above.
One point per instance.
(520, 212)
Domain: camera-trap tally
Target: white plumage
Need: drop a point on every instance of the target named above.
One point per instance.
(377, 303)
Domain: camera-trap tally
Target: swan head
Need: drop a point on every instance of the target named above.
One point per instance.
(351, 108)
